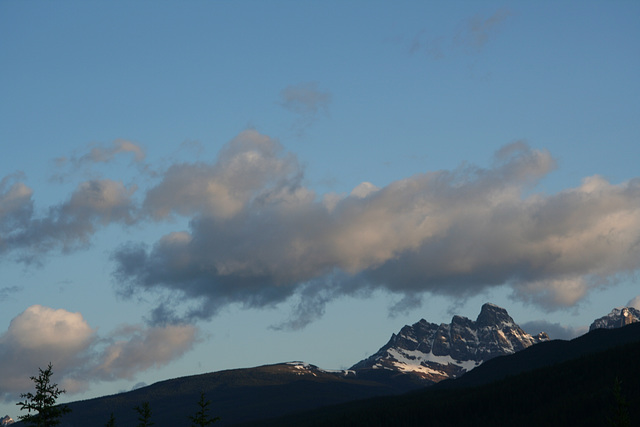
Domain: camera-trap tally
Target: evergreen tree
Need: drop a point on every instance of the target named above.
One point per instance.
(201, 418)
(144, 415)
(43, 402)
(621, 408)
(111, 422)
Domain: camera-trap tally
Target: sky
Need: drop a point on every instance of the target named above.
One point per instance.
(188, 187)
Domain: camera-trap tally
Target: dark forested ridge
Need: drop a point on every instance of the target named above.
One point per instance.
(237, 395)
(576, 387)
(554, 383)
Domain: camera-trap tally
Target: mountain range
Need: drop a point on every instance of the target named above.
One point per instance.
(419, 355)
(590, 381)
(437, 352)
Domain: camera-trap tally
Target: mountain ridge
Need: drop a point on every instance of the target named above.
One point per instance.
(438, 352)
(574, 385)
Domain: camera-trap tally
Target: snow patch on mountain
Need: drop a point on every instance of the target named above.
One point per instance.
(437, 352)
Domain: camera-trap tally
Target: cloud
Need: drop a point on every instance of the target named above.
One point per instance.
(67, 226)
(477, 30)
(8, 290)
(16, 206)
(257, 236)
(135, 349)
(472, 36)
(634, 302)
(40, 335)
(305, 100)
(104, 154)
(249, 167)
(261, 237)
(97, 154)
(556, 331)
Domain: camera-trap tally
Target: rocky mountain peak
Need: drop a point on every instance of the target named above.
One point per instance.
(492, 315)
(435, 352)
(617, 318)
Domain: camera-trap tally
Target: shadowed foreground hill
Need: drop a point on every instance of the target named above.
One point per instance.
(237, 395)
(575, 387)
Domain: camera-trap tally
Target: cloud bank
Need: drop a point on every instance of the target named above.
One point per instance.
(257, 236)
(40, 335)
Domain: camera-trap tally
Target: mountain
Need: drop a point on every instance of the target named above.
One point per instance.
(6, 420)
(617, 318)
(437, 352)
(419, 355)
(592, 380)
(237, 395)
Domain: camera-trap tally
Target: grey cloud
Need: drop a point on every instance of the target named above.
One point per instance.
(99, 154)
(104, 154)
(478, 29)
(556, 331)
(453, 233)
(8, 290)
(16, 205)
(471, 36)
(305, 100)
(40, 335)
(96, 154)
(134, 349)
(65, 227)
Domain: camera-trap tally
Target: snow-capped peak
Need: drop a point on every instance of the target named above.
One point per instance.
(436, 352)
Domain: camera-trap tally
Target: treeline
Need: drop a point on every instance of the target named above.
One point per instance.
(42, 410)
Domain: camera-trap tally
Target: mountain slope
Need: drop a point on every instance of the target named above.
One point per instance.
(419, 355)
(617, 318)
(236, 395)
(578, 390)
(437, 352)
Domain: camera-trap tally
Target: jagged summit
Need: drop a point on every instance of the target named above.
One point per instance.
(617, 318)
(437, 352)
(491, 314)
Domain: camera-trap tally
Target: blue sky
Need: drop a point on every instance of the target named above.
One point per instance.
(195, 186)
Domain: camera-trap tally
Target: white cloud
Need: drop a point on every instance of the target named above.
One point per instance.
(41, 335)
(250, 166)
(634, 302)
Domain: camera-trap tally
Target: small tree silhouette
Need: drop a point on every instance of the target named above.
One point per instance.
(43, 402)
(144, 415)
(111, 422)
(621, 407)
(201, 418)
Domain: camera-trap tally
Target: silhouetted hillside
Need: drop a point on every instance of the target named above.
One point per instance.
(578, 391)
(237, 395)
